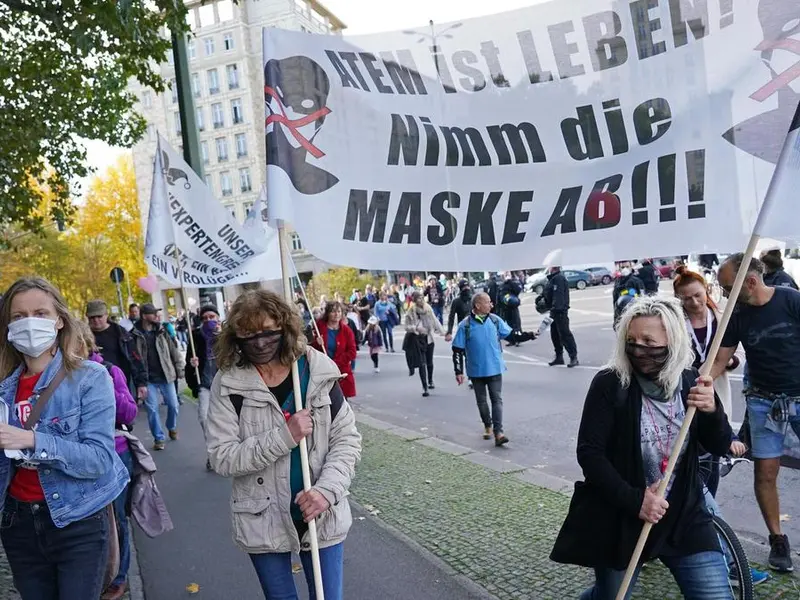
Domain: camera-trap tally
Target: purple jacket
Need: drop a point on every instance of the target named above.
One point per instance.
(126, 405)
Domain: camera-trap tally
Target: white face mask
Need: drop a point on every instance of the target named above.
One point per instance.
(626, 271)
(32, 336)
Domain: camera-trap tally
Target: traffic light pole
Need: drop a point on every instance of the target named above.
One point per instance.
(183, 80)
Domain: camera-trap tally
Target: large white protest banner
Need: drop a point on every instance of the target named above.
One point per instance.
(608, 129)
(214, 249)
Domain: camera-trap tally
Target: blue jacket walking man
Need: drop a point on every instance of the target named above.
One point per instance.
(478, 355)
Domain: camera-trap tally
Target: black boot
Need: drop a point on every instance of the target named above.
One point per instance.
(573, 362)
(558, 360)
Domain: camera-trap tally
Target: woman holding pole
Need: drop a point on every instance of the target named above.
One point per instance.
(631, 418)
(253, 433)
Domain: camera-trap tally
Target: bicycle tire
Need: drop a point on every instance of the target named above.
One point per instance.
(742, 564)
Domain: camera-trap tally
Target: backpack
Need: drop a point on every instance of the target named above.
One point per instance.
(337, 397)
(468, 323)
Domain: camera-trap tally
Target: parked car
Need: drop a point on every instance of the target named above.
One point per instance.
(600, 275)
(536, 283)
(665, 266)
(578, 279)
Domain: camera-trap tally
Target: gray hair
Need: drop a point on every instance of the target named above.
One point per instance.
(478, 296)
(756, 266)
(680, 356)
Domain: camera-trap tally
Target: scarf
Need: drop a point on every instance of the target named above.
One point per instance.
(652, 389)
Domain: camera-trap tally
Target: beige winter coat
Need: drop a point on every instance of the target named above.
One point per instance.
(255, 450)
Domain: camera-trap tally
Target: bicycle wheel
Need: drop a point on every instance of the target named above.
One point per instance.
(741, 579)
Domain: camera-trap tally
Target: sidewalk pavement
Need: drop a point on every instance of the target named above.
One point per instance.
(481, 514)
(379, 562)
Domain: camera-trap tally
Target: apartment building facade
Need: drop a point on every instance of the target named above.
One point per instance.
(225, 63)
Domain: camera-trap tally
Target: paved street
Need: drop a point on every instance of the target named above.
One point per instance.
(378, 563)
(543, 406)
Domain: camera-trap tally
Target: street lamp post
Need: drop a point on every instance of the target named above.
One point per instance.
(183, 81)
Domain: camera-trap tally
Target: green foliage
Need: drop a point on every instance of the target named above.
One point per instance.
(107, 233)
(342, 280)
(65, 66)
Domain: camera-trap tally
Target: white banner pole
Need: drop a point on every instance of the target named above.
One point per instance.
(298, 405)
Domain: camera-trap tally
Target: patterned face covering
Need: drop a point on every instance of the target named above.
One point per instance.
(261, 348)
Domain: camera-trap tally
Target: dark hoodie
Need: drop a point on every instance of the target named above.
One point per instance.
(459, 309)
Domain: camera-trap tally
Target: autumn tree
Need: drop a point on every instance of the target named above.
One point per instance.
(343, 280)
(65, 67)
(106, 233)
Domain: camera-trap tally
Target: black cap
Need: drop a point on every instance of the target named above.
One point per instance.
(208, 308)
(149, 309)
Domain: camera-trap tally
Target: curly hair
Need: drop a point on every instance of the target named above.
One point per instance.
(69, 339)
(247, 316)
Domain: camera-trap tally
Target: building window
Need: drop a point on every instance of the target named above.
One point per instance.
(199, 118)
(151, 133)
(217, 116)
(236, 111)
(231, 210)
(209, 182)
(244, 180)
(196, 89)
(225, 183)
(206, 14)
(248, 207)
(225, 10)
(213, 81)
(204, 152)
(233, 76)
(208, 43)
(228, 41)
(147, 99)
(241, 145)
(173, 86)
(296, 243)
(177, 117)
(222, 149)
(191, 48)
(170, 57)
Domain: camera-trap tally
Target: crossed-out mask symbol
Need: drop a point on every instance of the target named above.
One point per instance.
(294, 125)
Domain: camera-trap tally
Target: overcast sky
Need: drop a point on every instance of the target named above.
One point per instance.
(363, 16)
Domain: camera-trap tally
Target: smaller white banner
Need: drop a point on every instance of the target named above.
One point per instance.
(214, 249)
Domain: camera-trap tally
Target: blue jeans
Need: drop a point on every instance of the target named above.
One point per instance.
(766, 443)
(123, 527)
(437, 310)
(167, 390)
(48, 563)
(701, 576)
(275, 573)
(386, 331)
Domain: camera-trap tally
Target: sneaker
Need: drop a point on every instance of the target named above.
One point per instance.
(173, 434)
(758, 576)
(780, 554)
(487, 433)
(431, 386)
(158, 445)
(556, 361)
(376, 370)
(573, 362)
(425, 394)
(500, 440)
(208, 465)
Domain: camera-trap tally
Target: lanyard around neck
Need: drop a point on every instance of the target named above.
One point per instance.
(702, 350)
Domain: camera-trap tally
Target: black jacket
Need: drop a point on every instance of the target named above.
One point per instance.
(493, 289)
(439, 302)
(511, 286)
(189, 371)
(603, 525)
(459, 310)
(556, 292)
(779, 278)
(133, 365)
(649, 276)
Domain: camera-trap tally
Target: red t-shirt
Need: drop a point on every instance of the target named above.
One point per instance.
(25, 485)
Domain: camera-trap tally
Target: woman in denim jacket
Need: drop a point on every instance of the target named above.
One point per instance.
(55, 489)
